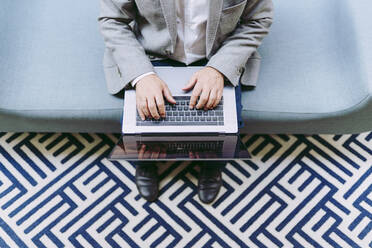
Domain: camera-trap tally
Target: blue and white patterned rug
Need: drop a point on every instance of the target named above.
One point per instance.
(58, 190)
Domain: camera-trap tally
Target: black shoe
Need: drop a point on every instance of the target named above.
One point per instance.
(209, 183)
(147, 181)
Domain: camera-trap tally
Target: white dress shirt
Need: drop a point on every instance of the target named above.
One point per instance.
(191, 32)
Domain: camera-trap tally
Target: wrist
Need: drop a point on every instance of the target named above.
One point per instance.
(145, 79)
(134, 82)
(217, 72)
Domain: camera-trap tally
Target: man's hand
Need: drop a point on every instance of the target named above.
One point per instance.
(208, 83)
(157, 152)
(150, 93)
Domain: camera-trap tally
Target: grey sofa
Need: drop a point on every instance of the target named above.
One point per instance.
(316, 71)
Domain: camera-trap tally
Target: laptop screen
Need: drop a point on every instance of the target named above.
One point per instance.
(179, 147)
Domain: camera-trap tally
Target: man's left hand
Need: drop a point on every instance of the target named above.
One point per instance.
(208, 83)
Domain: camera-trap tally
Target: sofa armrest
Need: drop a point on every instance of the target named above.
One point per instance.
(361, 12)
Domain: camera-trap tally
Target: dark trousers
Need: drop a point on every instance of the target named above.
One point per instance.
(202, 62)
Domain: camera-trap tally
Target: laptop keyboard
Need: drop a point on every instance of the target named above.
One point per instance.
(180, 114)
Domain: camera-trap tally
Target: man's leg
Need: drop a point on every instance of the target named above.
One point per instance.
(210, 177)
(239, 106)
(210, 180)
(147, 180)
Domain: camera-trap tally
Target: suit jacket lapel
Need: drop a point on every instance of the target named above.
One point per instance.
(214, 8)
(169, 12)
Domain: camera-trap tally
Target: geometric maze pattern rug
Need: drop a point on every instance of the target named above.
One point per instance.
(59, 190)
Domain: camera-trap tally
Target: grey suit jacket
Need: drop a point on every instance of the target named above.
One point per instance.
(138, 31)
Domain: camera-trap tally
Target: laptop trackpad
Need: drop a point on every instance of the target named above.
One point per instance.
(179, 147)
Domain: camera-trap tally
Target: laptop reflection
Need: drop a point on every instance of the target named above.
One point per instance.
(179, 147)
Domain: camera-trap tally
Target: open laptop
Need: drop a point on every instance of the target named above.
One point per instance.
(183, 134)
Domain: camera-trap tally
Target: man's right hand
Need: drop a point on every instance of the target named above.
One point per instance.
(150, 93)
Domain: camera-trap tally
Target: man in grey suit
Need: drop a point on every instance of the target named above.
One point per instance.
(223, 34)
